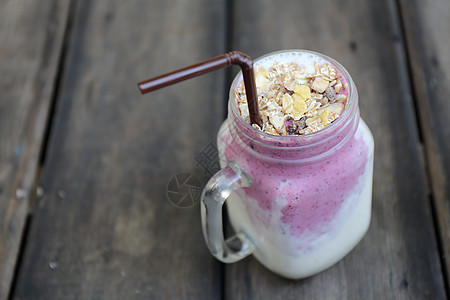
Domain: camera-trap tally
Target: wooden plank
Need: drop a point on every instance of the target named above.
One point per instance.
(31, 38)
(427, 28)
(104, 228)
(398, 258)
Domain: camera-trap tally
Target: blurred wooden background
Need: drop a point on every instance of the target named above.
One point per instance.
(85, 159)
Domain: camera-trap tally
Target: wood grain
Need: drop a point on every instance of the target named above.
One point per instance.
(427, 27)
(398, 258)
(31, 38)
(104, 228)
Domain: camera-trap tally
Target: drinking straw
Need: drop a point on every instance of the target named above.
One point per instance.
(219, 62)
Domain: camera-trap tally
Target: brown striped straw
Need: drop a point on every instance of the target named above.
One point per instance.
(216, 63)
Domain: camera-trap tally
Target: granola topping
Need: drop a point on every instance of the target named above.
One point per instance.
(293, 101)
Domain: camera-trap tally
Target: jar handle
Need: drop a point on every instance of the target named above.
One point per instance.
(216, 191)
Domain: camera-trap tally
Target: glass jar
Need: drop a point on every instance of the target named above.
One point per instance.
(299, 204)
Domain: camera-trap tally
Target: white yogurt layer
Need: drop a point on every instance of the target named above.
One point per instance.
(281, 252)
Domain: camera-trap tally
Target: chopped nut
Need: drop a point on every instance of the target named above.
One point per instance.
(256, 126)
(313, 106)
(341, 97)
(272, 130)
(243, 107)
(323, 101)
(288, 103)
(272, 108)
(338, 88)
(316, 96)
(301, 78)
(290, 83)
(319, 85)
(277, 121)
(262, 83)
(279, 97)
(331, 84)
(335, 108)
(312, 121)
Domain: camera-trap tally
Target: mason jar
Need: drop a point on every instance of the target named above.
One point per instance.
(299, 204)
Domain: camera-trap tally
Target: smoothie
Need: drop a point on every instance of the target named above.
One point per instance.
(309, 201)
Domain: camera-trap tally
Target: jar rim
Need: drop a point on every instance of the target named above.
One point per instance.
(314, 137)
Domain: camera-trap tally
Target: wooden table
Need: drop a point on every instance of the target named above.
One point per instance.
(85, 160)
